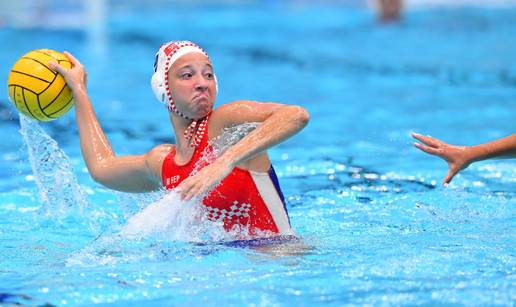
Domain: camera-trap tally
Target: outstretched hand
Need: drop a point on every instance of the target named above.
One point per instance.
(76, 76)
(204, 180)
(455, 156)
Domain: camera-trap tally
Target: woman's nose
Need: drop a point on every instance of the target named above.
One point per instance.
(201, 84)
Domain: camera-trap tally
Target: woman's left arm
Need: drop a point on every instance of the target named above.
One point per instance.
(278, 123)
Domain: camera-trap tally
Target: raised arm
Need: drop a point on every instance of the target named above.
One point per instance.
(127, 174)
(278, 123)
(460, 157)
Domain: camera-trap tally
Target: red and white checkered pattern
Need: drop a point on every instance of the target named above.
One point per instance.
(236, 210)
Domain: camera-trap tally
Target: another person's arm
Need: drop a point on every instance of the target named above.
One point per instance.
(460, 157)
(278, 123)
(127, 174)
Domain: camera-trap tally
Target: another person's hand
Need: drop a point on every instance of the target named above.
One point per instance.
(204, 180)
(75, 77)
(456, 156)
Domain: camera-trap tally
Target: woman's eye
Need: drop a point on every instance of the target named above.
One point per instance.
(209, 75)
(186, 75)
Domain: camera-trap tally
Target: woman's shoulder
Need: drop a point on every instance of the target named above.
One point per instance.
(155, 156)
(221, 117)
(229, 113)
(162, 149)
(230, 107)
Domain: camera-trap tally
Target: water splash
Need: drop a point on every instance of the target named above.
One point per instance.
(132, 203)
(160, 223)
(64, 200)
(52, 171)
(230, 136)
(174, 219)
(159, 229)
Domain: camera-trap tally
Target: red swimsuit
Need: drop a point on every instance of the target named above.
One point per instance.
(244, 198)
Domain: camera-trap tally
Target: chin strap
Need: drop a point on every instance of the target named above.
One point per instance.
(196, 130)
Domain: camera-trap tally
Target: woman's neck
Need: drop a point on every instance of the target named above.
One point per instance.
(180, 125)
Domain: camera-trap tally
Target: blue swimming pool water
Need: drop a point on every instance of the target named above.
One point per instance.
(376, 228)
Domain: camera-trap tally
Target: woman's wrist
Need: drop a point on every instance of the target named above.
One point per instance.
(228, 158)
(476, 153)
(79, 91)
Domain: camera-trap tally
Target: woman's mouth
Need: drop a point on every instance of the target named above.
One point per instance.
(201, 95)
(203, 102)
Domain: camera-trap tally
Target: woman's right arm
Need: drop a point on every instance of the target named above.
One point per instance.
(128, 174)
(460, 157)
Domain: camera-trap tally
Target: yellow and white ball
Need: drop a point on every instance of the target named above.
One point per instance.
(37, 90)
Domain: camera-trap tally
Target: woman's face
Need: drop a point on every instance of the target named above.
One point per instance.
(192, 85)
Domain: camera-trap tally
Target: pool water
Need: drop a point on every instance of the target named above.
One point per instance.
(374, 225)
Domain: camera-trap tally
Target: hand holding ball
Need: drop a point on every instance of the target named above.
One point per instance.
(37, 90)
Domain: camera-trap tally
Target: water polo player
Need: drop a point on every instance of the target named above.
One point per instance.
(239, 187)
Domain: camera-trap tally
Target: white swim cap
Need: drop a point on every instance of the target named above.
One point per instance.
(167, 54)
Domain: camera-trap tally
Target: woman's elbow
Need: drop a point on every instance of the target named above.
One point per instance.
(98, 173)
(302, 116)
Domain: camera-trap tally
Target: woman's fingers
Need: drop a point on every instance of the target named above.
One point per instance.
(451, 173)
(184, 188)
(427, 149)
(193, 187)
(72, 59)
(188, 194)
(189, 188)
(428, 140)
(57, 67)
(447, 179)
(60, 69)
(448, 152)
(202, 182)
(194, 192)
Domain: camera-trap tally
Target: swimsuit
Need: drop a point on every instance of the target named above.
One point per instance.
(248, 199)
